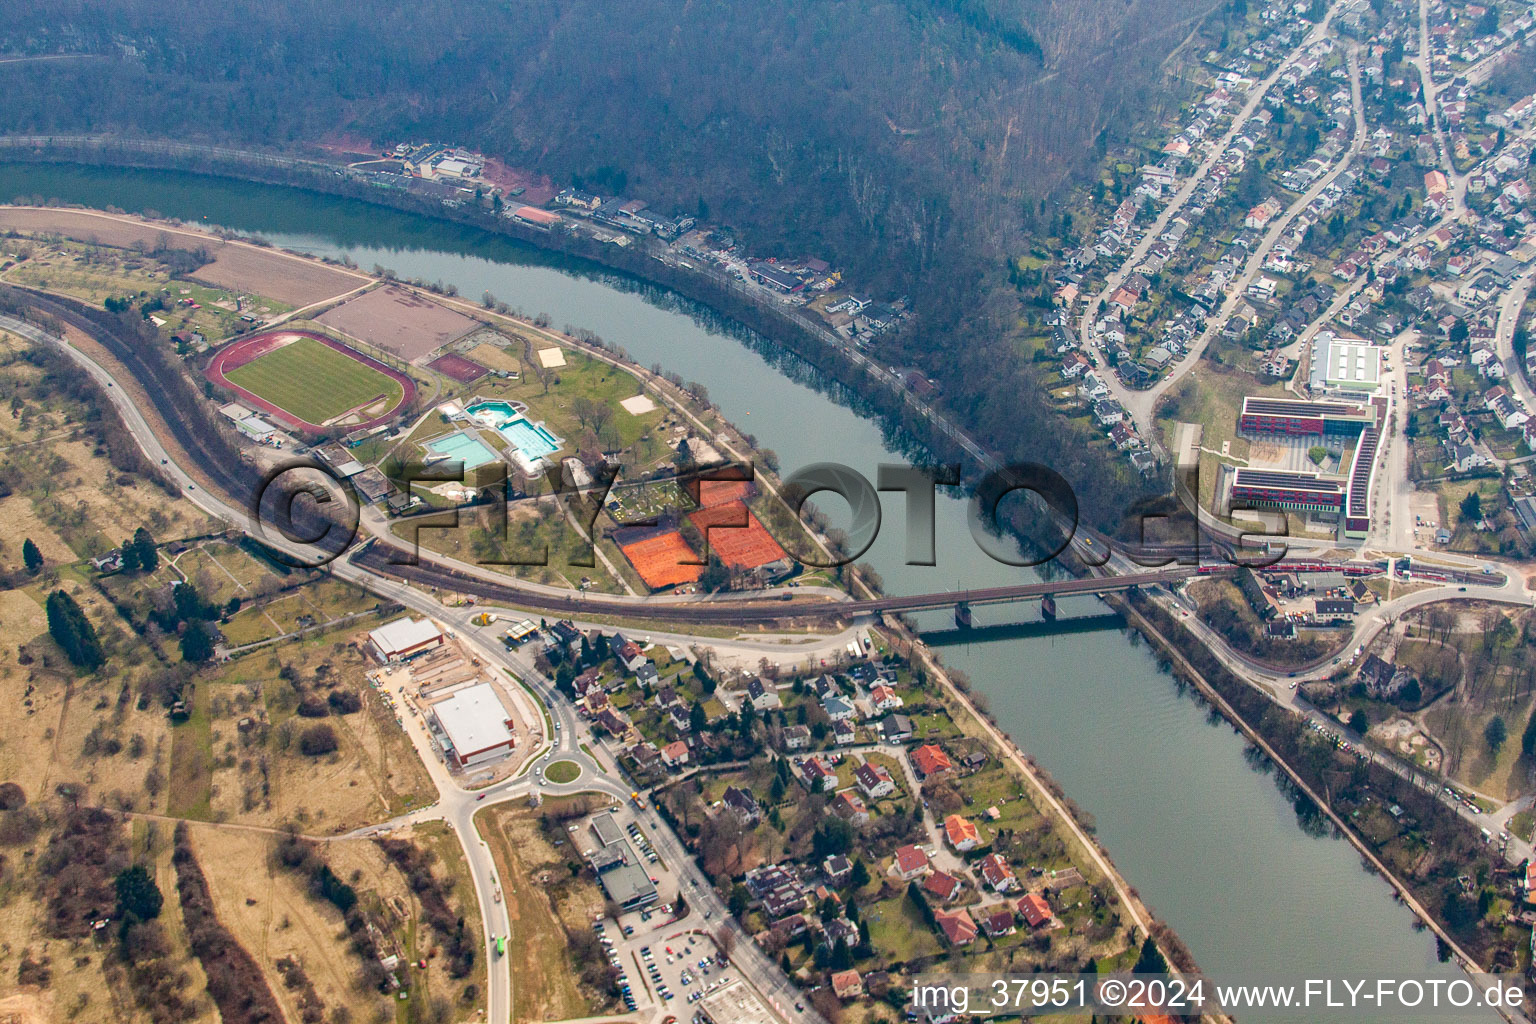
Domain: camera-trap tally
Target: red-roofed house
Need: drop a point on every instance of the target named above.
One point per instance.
(849, 807)
(911, 862)
(884, 698)
(998, 921)
(674, 754)
(996, 872)
(1035, 910)
(930, 760)
(819, 776)
(847, 984)
(943, 886)
(874, 780)
(957, 927)
(963, 835)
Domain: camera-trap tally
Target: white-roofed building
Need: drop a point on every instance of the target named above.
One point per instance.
(1342, 364)
(404, 638)
(475, 725)
(256, 428)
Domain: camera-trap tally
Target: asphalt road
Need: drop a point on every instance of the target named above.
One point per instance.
(455, 805)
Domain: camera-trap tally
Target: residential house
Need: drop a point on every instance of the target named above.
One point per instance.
(567, 637)
(1036, 911)
(797, 737)
(874, 780)
(997, 874)
(744, 805)
(838, 708)
(847, 984)
(896, 729)
(930, 760)
(942, 886)
(837, 869)
(819, 776)
(674, 754)
(910, 862)
(763, 697)
(956, 926)
(961, 833)
(850, 807)
(998, 921)
(1381, 677)
(884, 698)
(628, 652)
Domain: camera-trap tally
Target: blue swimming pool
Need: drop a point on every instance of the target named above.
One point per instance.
(465, 448)
(532, 439)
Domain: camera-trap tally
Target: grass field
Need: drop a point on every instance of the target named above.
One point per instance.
(561, 772)
(313, 382)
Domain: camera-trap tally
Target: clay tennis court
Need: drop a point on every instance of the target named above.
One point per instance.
(239, 268)
(451, 364)
(709, 493)
(246, 351)
(736, 537)
(399, 321)
(660, 558)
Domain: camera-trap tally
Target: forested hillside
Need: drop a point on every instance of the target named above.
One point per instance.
(913, 142)
(827, 126)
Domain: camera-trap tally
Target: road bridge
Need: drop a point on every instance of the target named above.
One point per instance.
(783, 609)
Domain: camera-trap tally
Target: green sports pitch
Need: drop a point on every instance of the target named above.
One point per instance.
(314, 382)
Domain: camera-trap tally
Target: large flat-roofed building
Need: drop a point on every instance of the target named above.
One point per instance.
(1297, 418)
(607, 830)
(735, 1004)
(1294, 492)
(1341, 365)
(475, 724)
(1362, 477)
(404, 638)
(621, 875)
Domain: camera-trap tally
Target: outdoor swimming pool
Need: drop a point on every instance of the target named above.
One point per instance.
(532, 439)
(462, 447)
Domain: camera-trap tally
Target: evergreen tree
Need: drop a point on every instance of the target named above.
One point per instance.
(31, 557)
(1151, 959)
(697, 719)
(129, 555)
(144, 545)
(137, 894)
(860, 877)
(1495, 733)
(73, 632)
(1528, 738)
(196, 642)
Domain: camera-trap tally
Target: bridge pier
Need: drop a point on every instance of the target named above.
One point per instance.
(963, 615)
(1048, 608)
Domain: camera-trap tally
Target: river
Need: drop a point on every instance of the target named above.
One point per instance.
(1209, 841)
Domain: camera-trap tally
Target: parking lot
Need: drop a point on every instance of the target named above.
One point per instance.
(663, 959)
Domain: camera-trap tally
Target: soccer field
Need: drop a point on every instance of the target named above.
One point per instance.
(314, 382)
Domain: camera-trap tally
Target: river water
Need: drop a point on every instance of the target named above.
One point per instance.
(1208, 840)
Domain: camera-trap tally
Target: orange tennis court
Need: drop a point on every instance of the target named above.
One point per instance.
(736, 537)
(661, 559)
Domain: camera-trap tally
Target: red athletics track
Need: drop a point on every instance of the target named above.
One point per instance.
(247, 350)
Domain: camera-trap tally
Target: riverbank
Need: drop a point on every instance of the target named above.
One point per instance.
(1188, 814)
(1316, 773)
(732, 443)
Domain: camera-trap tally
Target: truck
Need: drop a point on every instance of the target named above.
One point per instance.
(501, 945)
(637, 800)
(483, 619)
